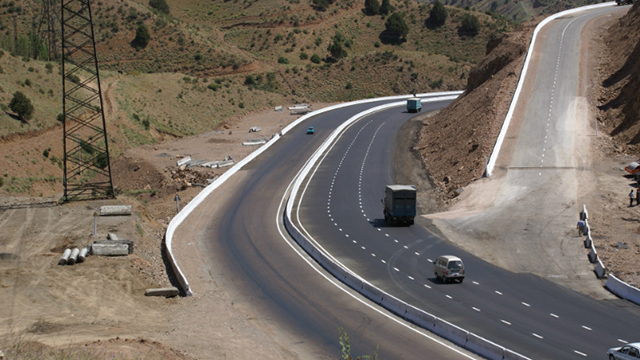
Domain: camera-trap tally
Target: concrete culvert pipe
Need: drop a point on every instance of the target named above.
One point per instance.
(65, 257)
(74, 256)
(83, 254)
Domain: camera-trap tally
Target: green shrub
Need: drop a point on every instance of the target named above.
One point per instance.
(160, 5)
(283, 60)
(21, 105)
(315, 59)
(249, 80)
(304, 56)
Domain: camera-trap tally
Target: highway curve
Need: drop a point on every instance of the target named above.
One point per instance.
(342, 210)
(241, 239)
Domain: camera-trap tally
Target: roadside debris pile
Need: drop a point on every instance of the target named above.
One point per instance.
(191, 177)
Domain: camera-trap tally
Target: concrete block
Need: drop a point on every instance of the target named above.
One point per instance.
(113, 249)
(600, 270)
(451, 332)
(166, 292)
(112, 236)
(587, 242)
(372, 293)
(115, 210)
(420, 318)
(484, 347)
(593, 254)
(128, 243)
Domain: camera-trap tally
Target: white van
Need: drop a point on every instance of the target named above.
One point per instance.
(448, 267)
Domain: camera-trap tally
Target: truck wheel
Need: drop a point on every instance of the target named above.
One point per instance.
(461, 280)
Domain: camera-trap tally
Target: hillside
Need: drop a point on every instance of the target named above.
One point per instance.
(520, 10)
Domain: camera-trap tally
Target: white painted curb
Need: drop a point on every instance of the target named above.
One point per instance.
(503, 131)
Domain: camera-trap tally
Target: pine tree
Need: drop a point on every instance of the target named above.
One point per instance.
(371, 7)
(437, 15)
(21, 105)
(386, 7)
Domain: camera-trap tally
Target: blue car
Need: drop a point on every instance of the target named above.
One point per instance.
(311, 130)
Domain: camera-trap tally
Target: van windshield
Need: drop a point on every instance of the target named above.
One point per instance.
(455, 265)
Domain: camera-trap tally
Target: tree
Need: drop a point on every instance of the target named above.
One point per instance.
(470, 25)
(437, 15)
(336, 50)
(396, 26)
(386, 7)
(371, 7)
(160, 5)
(336, 47)
(142, 37)
(21, 105)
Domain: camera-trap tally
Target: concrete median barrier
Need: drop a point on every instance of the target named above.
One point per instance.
(511, 355)
(622, 289)
(600, 270)
(420, 318)
(484, 347)
(447, 330)
(372, 293)
(395, 305)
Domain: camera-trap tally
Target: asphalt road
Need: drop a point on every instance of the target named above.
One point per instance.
(533, 216)
(283, 282)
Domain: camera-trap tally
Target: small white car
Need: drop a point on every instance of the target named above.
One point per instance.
(449, 267)
(626, 352)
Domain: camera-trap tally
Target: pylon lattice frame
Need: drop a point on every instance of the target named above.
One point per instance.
(87, 168)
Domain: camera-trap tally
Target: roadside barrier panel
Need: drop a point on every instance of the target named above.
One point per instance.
(484, 347)
(622, 289)
(601, 271)
(372, 293)
(395, 305)
(114, 249)
(593, 254)
(511, 355)
(588, 242)
(420, 318)
(450, 332)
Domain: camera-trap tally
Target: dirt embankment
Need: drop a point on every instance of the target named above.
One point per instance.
(619, 98)
(473, 120)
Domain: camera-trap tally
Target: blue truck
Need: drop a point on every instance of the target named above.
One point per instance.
(414, 105)
(400, 204)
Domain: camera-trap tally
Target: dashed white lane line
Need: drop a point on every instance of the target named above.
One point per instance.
(427, 286)
(623, 341)
(475, 308)
(372, 254)
(536, 335)
(525, 304)
(580, 353)
(417, 253)
(498, 292)
(396, 269)
(586, 328)
(505, 322)
(475, 283)
(411, 277)
(383, 261)
(554, 315)
(449, 296)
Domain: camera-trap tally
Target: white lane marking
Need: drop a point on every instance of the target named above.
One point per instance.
(410, 277)
(498, 292)
(586, 328)
(379, 229)
(396, 269)
(580, 353)
(340, 229)
(383, 261)
(406, 247)
(623, 341)
(417, 253)
(525, 304)
(538, 336)
(476, 309)
(475, 283)
(355, 242)
(449, 296)
(387, 235)
(554, 315)
(506, 322)
(395, 240)
(347, 235)
(372, 254)
(427, 286)
(363, 248)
